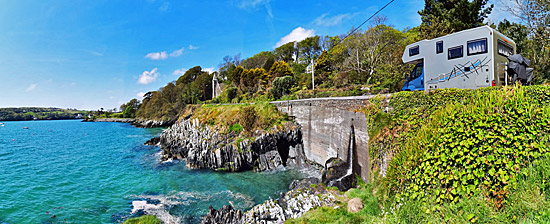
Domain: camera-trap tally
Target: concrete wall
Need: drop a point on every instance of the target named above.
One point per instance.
(326, 127)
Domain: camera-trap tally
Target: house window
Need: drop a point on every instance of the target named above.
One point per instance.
(456, 52)
(504, 49)
(439, 47)
(477, 46)
(414, 51)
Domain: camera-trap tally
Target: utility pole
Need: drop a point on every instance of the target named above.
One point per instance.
(312, 75)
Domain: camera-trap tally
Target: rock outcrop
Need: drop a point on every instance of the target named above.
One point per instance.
(292, 204)
(337, 173)
(204, 147)
(153, 141)
(144, 123)
(340, 174)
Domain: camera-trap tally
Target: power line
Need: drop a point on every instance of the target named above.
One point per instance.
(353, 31)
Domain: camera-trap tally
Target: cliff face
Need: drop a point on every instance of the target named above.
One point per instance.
(204, 147)
(144, 123)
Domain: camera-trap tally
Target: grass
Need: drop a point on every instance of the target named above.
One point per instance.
(146, 219)
(237, 118)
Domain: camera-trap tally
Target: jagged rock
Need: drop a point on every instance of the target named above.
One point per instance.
(226, 214)
(153, 141)
(292, 204)
(337, 173)
(203, 147)
(355, 205)
(304, 183)
(143, 123)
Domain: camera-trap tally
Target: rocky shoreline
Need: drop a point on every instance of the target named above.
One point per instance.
(302, 196)
(139, 123)
(203, 147)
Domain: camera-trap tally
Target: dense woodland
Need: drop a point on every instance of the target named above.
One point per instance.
(366, 60)
(30, 113)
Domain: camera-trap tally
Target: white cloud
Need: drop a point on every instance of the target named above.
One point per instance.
(157, 55)
(165, 7)
(325, 20)
(140, 95)
(73, 83)
(148, 76)
(31, 87)
(191, 47)
(177, 53)
(179, 72)
(297, 35)
(209, 70)
(251, 4)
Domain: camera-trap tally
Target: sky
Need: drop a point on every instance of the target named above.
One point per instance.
(102, 53)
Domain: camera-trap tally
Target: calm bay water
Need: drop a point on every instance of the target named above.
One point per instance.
(80, 172)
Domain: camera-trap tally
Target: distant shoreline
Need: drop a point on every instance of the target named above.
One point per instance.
(44, 119)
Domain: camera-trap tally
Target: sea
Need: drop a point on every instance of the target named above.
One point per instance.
(69, 171)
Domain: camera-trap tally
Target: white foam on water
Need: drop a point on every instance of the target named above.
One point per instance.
(166, 202)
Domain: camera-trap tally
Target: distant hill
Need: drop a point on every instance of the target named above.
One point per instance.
(39, 113)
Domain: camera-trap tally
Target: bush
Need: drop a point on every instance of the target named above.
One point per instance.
(248, 118)
(282, 86)
(231, 93)
(235, 128)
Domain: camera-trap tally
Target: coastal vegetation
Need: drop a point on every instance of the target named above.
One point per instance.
(236, 118)
(39, 113)
(446, 156)
(455, 156)
(146, 219)
(362, 61)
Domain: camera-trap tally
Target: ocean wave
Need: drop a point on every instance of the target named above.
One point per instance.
(161, 205)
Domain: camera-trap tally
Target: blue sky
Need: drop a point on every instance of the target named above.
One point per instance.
(92, 54)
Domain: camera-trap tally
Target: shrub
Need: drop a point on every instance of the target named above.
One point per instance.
(231, 93)
(236, 128)
(282, 86)
(248, 117)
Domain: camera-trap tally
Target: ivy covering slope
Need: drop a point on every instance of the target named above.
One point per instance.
(456, 156)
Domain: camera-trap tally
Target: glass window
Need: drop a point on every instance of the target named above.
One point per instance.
(439, 47)
(414, 50)
(504, 49)
(419, 70)
(477, 47)
(456, 52)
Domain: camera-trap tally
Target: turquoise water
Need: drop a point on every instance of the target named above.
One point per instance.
(81, 172)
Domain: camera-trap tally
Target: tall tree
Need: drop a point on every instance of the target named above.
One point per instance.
(518, 32)
(190, 75)
(258, 60)
(286, 52)
(441, 17)
(535, 14)
(309, 49)
(280, 69)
